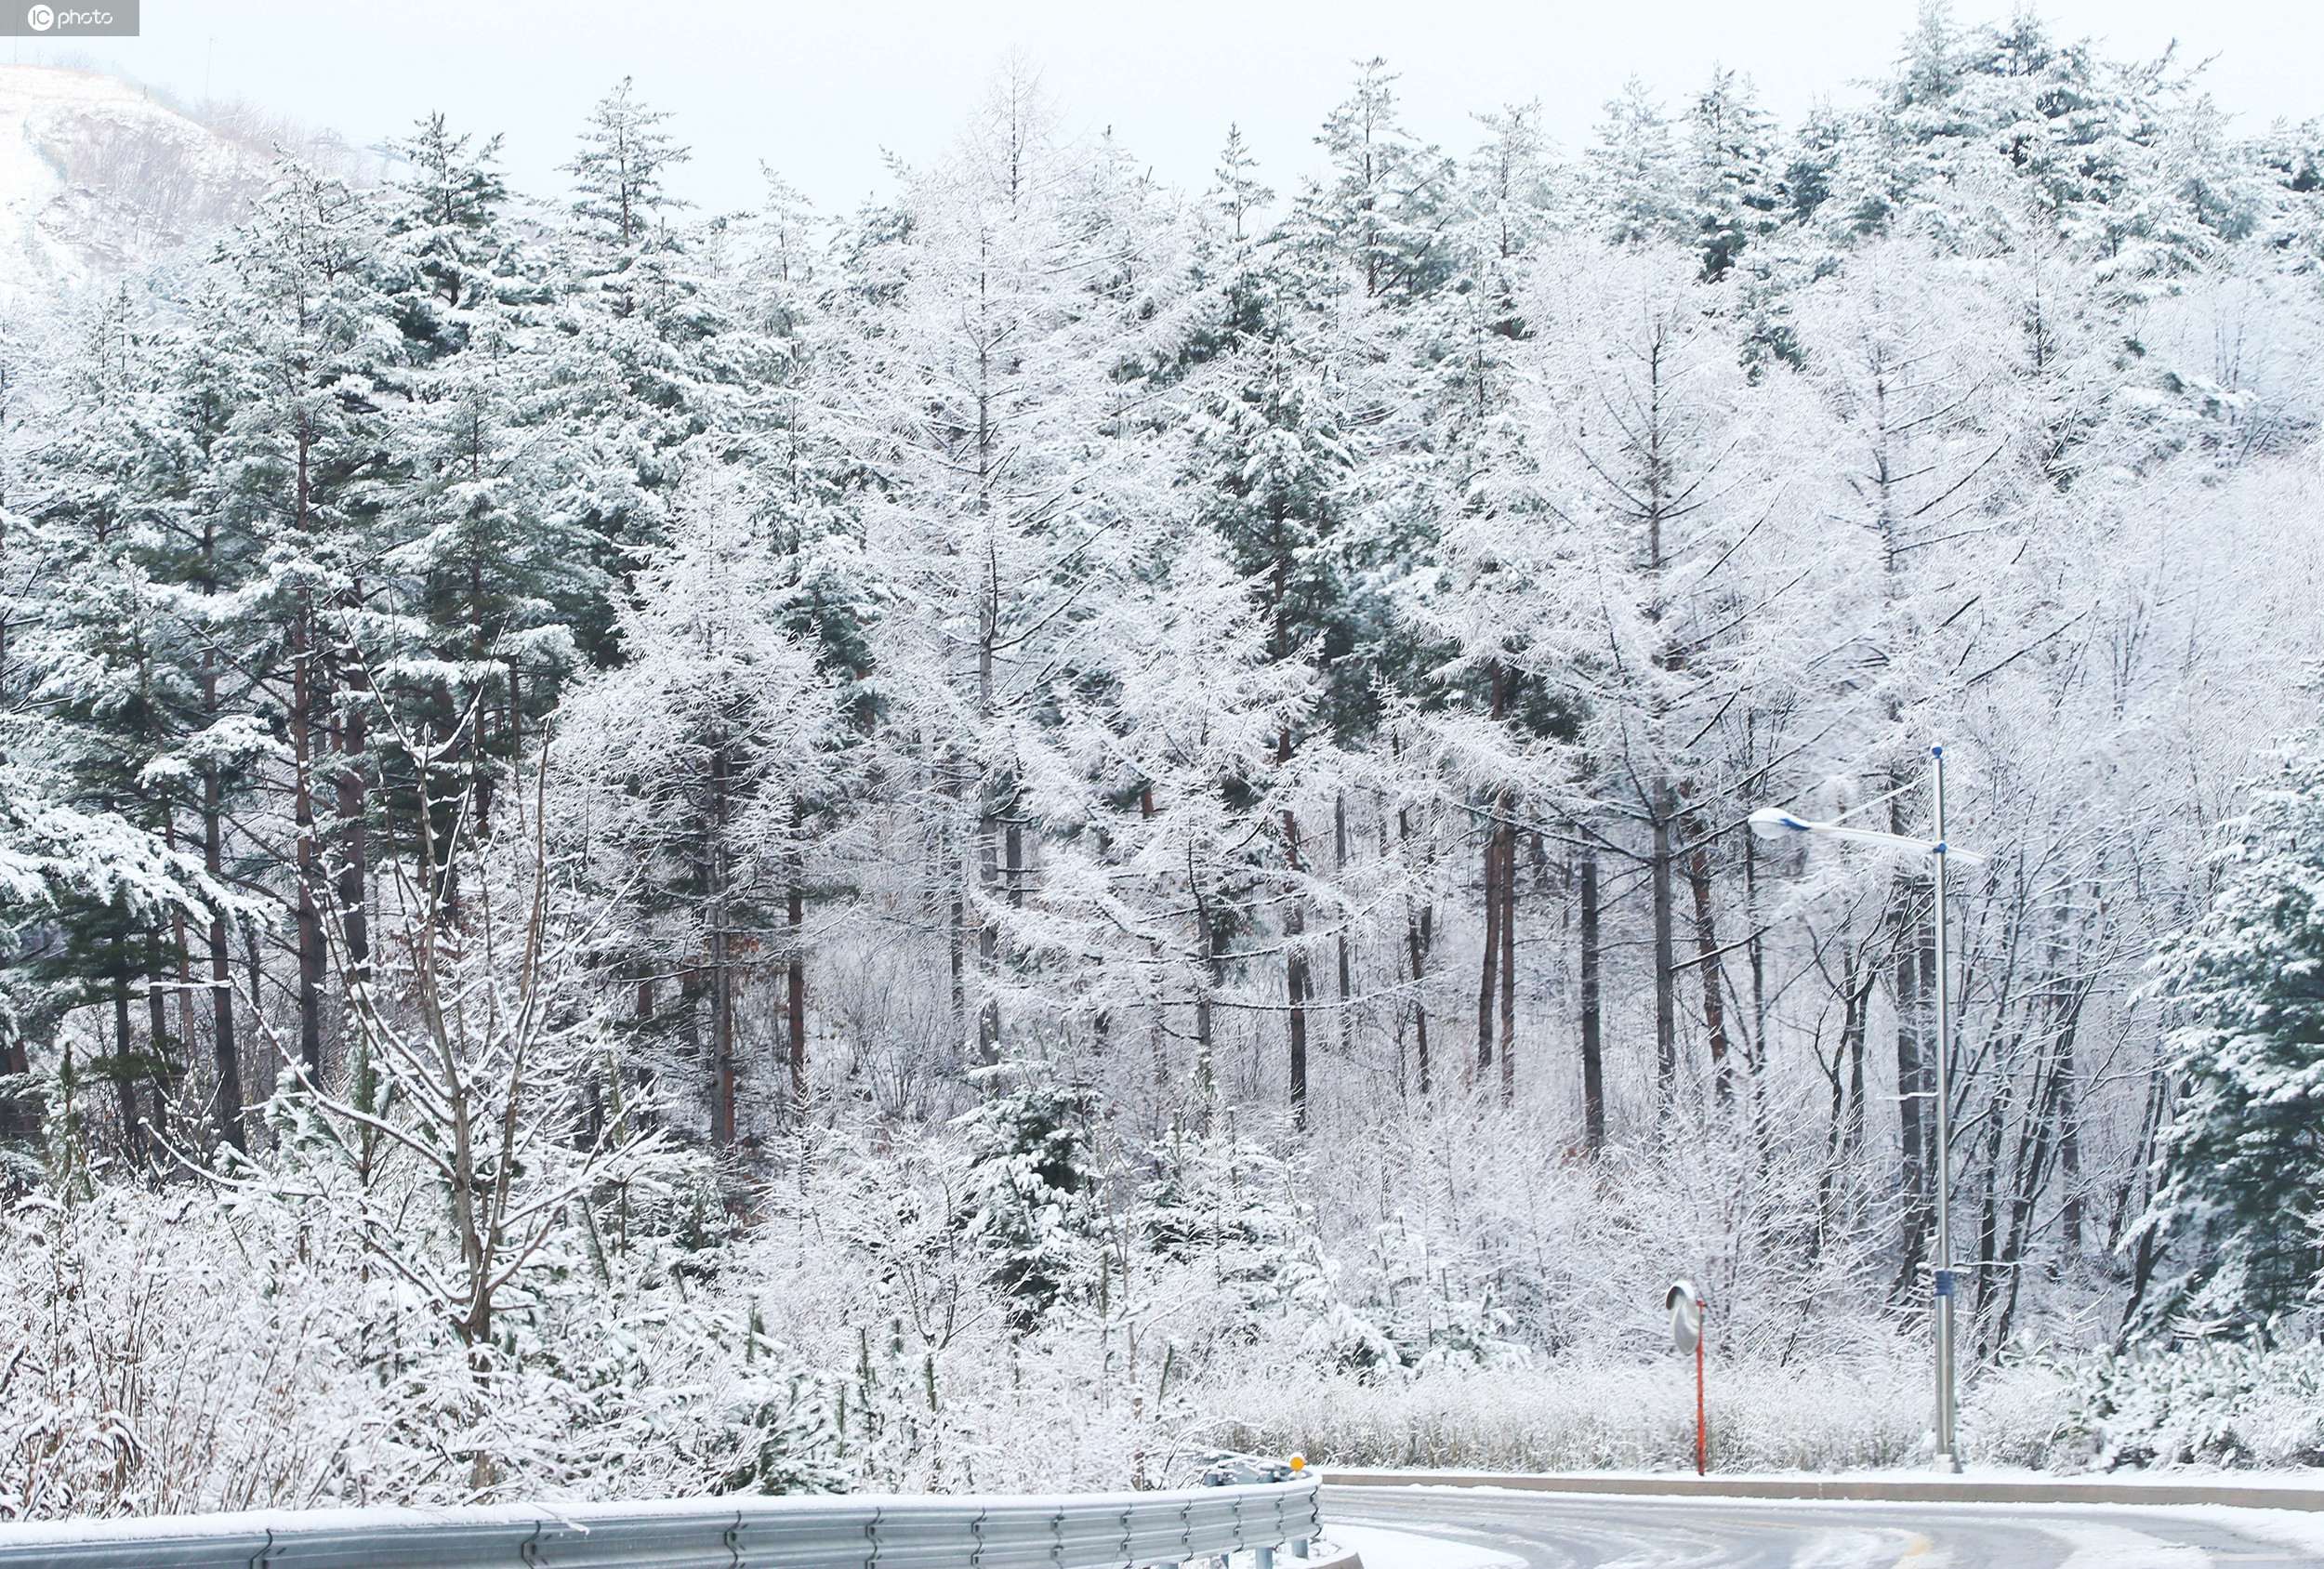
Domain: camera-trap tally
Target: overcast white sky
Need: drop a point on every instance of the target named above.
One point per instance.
(817, 88)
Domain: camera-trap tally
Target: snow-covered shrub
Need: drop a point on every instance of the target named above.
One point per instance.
(2020, 1413)
(1032, 1204)
(184, 1353)
(1580, 1416)
(149, 1370)
(2223, 1403)
(1230, 1216)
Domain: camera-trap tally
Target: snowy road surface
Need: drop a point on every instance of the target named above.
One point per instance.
(1550, 1531)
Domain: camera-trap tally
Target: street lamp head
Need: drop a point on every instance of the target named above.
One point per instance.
(1774, 823)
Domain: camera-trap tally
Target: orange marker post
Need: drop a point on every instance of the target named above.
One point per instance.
(1685, 1305)
(1702, 1410)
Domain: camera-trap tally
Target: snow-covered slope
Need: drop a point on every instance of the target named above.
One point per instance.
(96, 176)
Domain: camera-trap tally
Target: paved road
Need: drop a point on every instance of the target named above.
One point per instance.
(1552, 1530)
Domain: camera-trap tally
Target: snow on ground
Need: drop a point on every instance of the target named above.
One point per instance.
(96, 177)
(2102, 1545)
(2129, 1482)
(2300, 1530)
(1865, 1549)
(1383, 1548)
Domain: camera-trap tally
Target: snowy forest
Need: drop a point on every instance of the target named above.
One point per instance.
(1052, 823)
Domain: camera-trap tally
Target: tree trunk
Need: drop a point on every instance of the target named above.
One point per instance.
(2133, 1192)
(1204, 981)
(1295, 952)
(1758, 952)
(1488, 966)
(18, 1116)
(1417, 935)
(1014, 870)
(1912, 1089)
(1211, 933)
(795, 978)
(988, 798)
(1852, 1035)
(1296, 986)
(1339, 867)
(1416, 946)
(987, 933)
(179, 943)
(1707, 961)
(306, 701)
(2070, 1210)
(1996, 1115)
(1665, 960)
(725, 1070)
(1509, 956)
(309, 913)
(354, 869)
(124, 1059)
(163, 1066)
(957, 936)
(2031, 1170)
(1592, 1013)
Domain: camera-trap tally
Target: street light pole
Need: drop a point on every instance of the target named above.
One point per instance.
(1774, 823)
(1947, 1458)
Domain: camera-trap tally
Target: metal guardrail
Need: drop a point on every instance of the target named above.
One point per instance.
(1081, 1530)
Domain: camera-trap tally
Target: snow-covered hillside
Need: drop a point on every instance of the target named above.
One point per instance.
(96, 177)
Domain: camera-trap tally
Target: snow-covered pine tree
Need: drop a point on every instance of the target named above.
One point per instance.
(489, 573)
(1634, 187)
(106, 732)
(105, 662)
(1228, 238)
(447, 233)
(1226, 1204)
(1379, 208)
(1185, 752)
(690, 761)
(1473, 618)
(1268, 454)
(786, 436)
(621, 195)
(230, 745)
(306, 466)
(633, 355)
(1657, 470)
(977, 387)
(1732, 194)
(2237, 1220)
(1031, 1206)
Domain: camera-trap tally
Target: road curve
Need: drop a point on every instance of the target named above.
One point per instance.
(1558, 1530)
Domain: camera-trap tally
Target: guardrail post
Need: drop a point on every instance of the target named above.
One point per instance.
(1262, 1558)
(1298, 1547)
